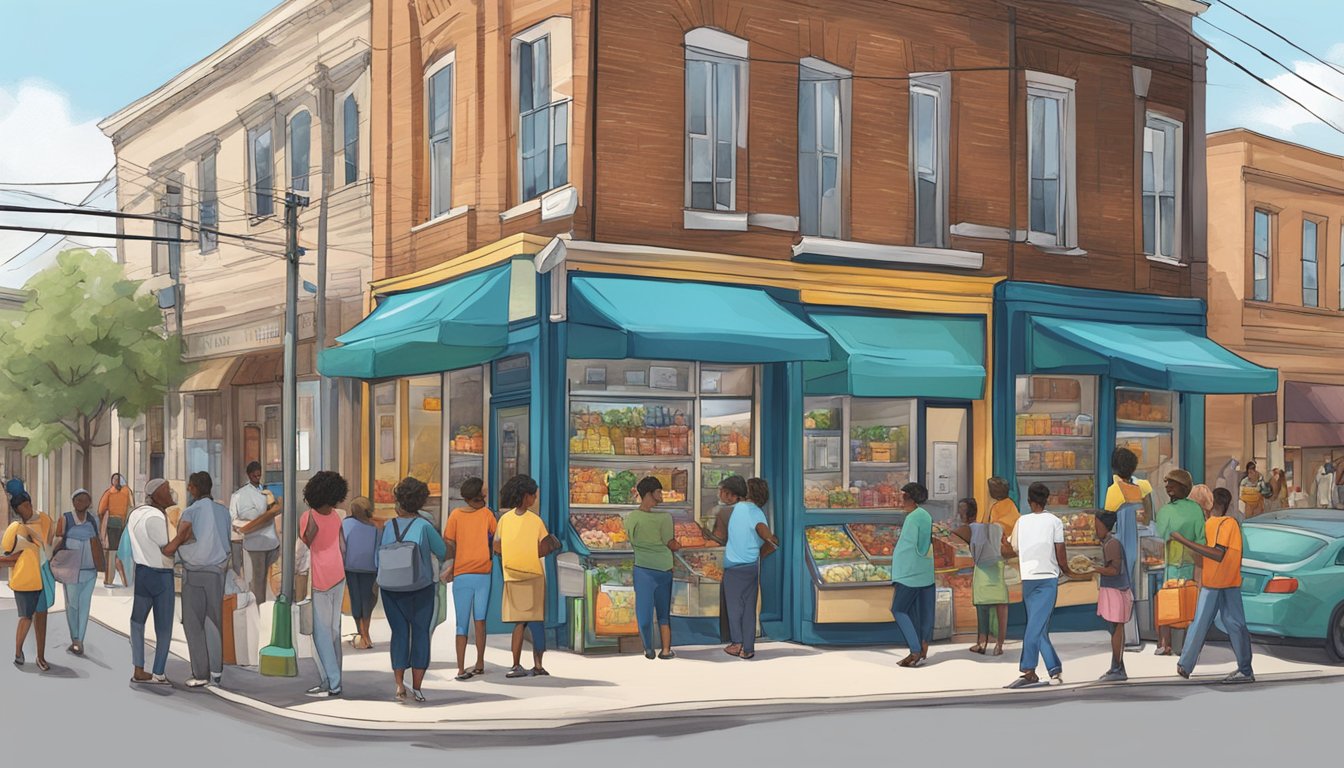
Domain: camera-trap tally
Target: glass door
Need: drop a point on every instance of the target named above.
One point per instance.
(511, 437)
(947, 472)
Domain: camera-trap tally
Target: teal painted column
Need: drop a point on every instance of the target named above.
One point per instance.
(1192, 435)
(782, 467)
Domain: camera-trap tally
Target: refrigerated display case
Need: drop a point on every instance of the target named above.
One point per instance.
(849, 587)
(1055, 437)
(856, 452)
(690, 425)
(1147, 423)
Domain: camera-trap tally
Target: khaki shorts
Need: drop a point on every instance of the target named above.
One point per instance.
(524, 601)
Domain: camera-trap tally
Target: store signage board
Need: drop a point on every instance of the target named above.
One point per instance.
(246, 338)
(946, 457)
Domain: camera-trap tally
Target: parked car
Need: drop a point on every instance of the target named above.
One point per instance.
(1293, 578)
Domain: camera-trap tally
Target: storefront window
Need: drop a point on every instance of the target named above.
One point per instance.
(466, 419)
(424, 430)
(690, 425)
(857, 452)
(1147, 423)
(1056, 442)
(203, 432)
(306, 424)
(386, 447)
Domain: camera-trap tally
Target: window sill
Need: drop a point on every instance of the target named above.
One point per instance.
(452, 213)
(779, 221)
(1166, 261)
(1059, 250)
(888, 254)
(714, 220)
(517, 211)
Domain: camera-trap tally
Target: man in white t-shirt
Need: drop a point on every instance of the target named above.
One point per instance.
(147, 526)
(1038, 539)
(253, 510)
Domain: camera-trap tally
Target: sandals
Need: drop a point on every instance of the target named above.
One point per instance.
(996, 652)
(980, 649)
(470, 673)
(19, 661)
(516, 673)
(401, 694)
(539, 672)
(673, 655)
(419, 697)
(747, 655)
(733, 650)
(1163, 652)
(913, 660)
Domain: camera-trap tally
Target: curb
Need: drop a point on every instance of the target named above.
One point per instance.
(742, 708)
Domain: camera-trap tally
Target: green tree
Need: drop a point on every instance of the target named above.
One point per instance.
(87, 341)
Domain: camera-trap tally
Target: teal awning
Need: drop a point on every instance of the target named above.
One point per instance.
(441, 328)
(612, 318)
(1165, 357)
(900, 356)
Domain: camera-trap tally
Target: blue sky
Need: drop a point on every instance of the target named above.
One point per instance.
(65, 64)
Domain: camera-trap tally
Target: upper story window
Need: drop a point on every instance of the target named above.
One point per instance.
(1262, 255)
(1162, 151)
(261, 171)
(300, 149)
(1311, 294)
(350, 137)
(823, 146)
(716, 120)
(1050, 160)
(543, 74)
(1341, 268)
(167, 254)
(439, 102)
(208, 205)
(930, 95)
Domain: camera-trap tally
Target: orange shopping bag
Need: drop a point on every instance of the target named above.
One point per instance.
(1175, 605)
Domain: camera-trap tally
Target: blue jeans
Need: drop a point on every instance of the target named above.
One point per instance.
(471, 599)
(653, 595)
(912, 608)
(327, 634)
(78, 598)
(1038, 595)
(1224, 603)
(153, 591)
(411, 616)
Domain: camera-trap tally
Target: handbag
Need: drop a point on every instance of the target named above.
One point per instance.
(65, 565)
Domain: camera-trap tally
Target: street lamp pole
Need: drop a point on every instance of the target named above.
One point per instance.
(279, 659)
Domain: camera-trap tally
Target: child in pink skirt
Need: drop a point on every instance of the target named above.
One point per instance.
(1115, 595)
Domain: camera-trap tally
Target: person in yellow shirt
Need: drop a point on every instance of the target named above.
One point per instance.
(522, 542)
(1127, 489)
(1003, 511)
(24, 547)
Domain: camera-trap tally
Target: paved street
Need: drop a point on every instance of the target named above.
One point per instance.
(112, 714)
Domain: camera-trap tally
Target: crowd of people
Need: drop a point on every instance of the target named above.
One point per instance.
(405, 561)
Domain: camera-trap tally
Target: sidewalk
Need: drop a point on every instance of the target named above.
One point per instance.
(702, 681)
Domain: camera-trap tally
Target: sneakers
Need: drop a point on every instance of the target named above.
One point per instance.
(151, 680)
(196, 682)
(1117, 675)
(1237, 678)
(322, 692)
(1057, 678)
(217, 680)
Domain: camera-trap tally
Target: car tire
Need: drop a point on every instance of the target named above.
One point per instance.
(1334, 636)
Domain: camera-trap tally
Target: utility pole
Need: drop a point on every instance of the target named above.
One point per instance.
(279, 659)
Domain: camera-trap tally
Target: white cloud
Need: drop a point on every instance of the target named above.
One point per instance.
(40, 141)
(1280, 116)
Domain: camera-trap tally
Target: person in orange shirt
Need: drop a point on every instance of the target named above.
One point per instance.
(469, 534)
(113, 509)
(1220, 591)
(1003, 511)
(26, 542)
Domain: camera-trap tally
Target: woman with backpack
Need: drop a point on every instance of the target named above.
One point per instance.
(407, 578)
(77, 532)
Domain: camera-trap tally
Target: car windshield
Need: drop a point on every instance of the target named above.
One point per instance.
(1279, 547)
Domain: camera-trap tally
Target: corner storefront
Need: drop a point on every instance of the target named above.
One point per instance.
(1080, 372)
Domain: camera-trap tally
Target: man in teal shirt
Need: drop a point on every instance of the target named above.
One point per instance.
(912, 575)
(1183, 516)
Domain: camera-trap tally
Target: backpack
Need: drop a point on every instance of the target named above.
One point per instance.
(400, 567)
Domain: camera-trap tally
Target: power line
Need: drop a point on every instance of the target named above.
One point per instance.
(49, 183)
(1267, 55)
(1257, 23)
(177, 221)
(99, 235)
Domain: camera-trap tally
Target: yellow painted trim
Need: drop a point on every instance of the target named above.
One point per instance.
(486, 256)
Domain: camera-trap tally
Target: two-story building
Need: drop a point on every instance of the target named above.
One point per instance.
(1275, 271)
(839, 247)
(283, 107)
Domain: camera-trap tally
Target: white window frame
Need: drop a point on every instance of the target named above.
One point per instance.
(719, 48)
(253, 190)
(811, 72)
(939, 86)
(289, 150)
(448, 62)
(1063, 90)
(1317, 226)
(207, 242)
(559, 32)
(1268, 256)
(1155, 125)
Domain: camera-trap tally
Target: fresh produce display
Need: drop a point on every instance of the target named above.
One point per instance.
(469, 439)
(1078, 493)
(707, 564)
(1139, 406)
(1080, 529)
(588, 485)
(689, 535)
(382, 492)
(947, 547)
(1053, 425)
(654, 430)
(882, 444)
(860, 495)
(1041, 456)
(829, 543)
(825, 419)
(877, 540)
(854, 572)
(614, 611)
(621, 487)
(600, 531)
(1153, 561)
(725, 441)
(1082, 564)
